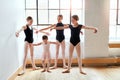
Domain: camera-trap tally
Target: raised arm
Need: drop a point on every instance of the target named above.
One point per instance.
(37, 44)
(19, 31)
(90, 28)
(60, 28)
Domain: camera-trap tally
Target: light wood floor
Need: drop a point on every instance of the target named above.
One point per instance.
(99, 73)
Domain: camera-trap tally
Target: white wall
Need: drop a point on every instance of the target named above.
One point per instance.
(11, 12)
(97, 15)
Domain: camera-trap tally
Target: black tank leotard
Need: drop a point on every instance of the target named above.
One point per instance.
(28, 34)
(75, 34)
(60, 33)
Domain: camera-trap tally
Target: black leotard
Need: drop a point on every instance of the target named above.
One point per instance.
(75, 34)
(60, 33)
(29, 34)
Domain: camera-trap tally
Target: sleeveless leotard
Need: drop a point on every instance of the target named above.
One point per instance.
(75, 34)
(28, 34)
(60, 33)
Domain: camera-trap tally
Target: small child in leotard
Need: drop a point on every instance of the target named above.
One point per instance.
(75, 41)
(28, 30)
(60, 38)
(46, 52)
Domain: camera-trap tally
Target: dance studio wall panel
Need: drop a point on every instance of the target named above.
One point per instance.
(97, 15)
(11, 15)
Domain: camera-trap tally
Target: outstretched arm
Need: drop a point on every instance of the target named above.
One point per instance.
(60, 28)
(19, 31)
(41, 30)
(35, 28)
(54, 43)
(51, 26)
(44, 32)
(90, 28)
(37, 44)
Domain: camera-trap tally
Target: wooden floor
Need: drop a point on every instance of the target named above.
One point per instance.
(99, 73)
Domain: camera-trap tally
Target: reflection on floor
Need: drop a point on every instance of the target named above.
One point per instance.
(99, 73)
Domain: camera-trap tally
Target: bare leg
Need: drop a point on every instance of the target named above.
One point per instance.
(25, 56)
(32, 56)
(78, 49)
(63, 53)
(71, 48)
(44, 66)
(57, 53)
(48, 65)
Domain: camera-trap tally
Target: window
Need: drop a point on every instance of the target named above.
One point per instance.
(45, 12)
(114, 34)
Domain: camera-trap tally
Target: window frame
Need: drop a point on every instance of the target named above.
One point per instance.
(117, 13)
(37, 11)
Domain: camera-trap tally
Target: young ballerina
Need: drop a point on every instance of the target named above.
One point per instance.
(60, 38)
(75, 41)
(28, 30)
(46, 52)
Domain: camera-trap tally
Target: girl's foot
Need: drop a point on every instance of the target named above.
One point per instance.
(65, 67)
(21, 73)
(82, 73)
(67, 71)
(54, 67)
(49, 71)
(43, 70)
(36, 68)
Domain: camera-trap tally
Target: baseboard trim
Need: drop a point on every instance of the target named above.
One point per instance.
(15, 74)
(84, 61)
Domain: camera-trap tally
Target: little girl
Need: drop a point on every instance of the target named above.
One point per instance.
(46, 52)
(28, 30)
(75, 41)
(60, 38)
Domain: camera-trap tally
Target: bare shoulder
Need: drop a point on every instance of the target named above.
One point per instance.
(24, 27)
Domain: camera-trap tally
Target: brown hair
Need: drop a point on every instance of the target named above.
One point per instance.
(44, 37)
(29, 18)
(75, 17)
(60, 15)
